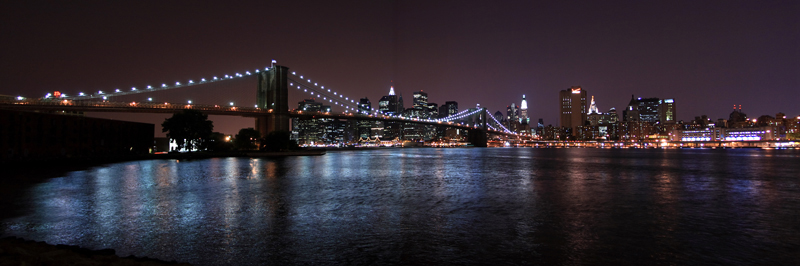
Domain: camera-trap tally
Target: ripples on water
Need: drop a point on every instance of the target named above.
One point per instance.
(433, 206)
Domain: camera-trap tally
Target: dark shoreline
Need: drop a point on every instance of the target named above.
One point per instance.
(18, 251)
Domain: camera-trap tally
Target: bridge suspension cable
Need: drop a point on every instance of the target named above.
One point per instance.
(500, 124)
(150, 88)
(457, 116)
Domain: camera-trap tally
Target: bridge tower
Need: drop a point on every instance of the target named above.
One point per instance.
(273, 94)
(477, 136)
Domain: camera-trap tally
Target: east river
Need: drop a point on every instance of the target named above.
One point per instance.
(505, 206)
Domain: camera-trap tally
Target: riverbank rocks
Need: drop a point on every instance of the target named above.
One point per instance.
(18, 251)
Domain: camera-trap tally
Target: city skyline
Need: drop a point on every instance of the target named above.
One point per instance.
(708, 56)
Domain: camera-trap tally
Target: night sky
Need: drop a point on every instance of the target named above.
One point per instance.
(708, 55)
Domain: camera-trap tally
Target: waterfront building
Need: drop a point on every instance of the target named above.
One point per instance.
(634, 130)
(793, 128)
(573, 108)
(737, 118)
(310, 131)
(767, 133)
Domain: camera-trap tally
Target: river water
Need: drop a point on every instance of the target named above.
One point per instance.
(505, 206)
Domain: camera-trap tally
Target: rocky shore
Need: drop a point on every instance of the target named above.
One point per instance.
(18, 251)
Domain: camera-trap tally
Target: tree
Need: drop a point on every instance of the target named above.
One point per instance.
(279, 141)
(219, 142)
(247, 139)
(189, 128)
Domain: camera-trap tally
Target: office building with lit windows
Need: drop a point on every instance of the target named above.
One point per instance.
(573, 108)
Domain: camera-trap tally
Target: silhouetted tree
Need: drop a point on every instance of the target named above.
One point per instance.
(219, 142)
(247, 139)
(279, 141)
(189, 128)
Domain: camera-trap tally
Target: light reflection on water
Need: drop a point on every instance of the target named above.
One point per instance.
(433, 206)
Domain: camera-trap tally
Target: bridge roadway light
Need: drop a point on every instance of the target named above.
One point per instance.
(80, 94)
(190, 101)
(231, 103)
(149, 99)
(117, 90)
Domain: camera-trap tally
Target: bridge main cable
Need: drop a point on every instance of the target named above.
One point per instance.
(164, 86)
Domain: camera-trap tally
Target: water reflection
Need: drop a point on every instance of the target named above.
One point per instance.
(431, 206)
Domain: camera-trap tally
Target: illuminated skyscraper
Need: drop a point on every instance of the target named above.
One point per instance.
(667, 112)
(593, 108)
(420, 100)
(523, 111)
(512, 112)
(573, 108)
(391, 105)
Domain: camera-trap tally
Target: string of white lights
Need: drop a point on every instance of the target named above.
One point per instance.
(500, 124)
(332, 97)
(150, 88)
(459, 115)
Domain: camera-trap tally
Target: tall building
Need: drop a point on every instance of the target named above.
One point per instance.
(389, 104)
(433, 109)
(310, 130)
(420, 100)
(650, 110)
(364, 106)
(631, 112)
(573, 108)
(449, 108)
(512, 112)
(667, 112)
(737, 118)
(523, 111)
(499, 116)
(364, 126)
(593, 108)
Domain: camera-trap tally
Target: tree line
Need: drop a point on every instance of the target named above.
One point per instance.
(192, 130)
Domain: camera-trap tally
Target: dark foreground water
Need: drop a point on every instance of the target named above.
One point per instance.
(433, 206)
